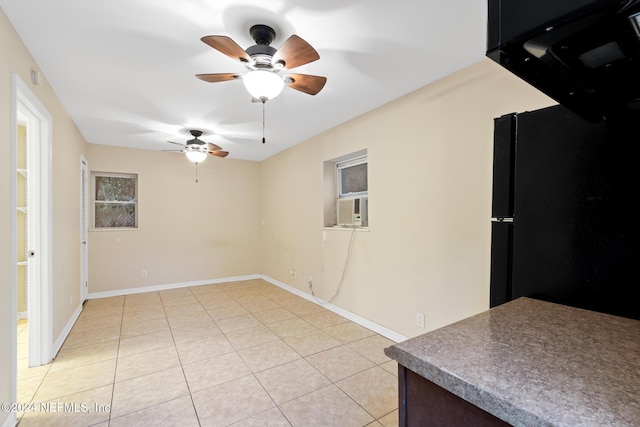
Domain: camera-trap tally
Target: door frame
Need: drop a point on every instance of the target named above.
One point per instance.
(84, 229)
(40, 302)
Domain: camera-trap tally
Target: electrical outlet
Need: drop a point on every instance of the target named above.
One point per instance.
(420, 320)
(143, 274)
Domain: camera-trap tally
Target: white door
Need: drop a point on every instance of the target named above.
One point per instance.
(84, 229)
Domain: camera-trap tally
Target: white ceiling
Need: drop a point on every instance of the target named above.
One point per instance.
(125, 69)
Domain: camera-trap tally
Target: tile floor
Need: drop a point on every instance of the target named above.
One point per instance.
(232, 354)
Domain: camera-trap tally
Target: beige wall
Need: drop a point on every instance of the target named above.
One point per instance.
(187, 231)
(67, 147)
(430, 168)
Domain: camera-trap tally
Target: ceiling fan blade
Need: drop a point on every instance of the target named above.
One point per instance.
(295, 52)
(227, 46)
(174, 151)
(306, 83)
(219, 153)
(213, 147)
(219, 77)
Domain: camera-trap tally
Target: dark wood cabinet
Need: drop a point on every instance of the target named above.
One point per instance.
(423, 403)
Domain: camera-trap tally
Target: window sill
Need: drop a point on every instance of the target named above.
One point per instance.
(342, 228)
(115, 229)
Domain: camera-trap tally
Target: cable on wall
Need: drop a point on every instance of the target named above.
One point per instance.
(346, 265)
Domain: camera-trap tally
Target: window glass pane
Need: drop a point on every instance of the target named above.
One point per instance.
(115, 214)
(110, 188)
(353, 179)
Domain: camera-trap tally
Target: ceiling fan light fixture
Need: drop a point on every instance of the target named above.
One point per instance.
(196, 155)
(263, 85)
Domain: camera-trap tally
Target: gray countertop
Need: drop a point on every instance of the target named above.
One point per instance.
(534, 363)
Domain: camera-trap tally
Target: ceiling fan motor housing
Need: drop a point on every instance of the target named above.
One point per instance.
(262, 52)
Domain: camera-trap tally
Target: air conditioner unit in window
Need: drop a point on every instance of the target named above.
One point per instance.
(352, 212)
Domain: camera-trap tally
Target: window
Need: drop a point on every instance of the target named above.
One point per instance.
(115, 200)
(352, 177)
(346, 191)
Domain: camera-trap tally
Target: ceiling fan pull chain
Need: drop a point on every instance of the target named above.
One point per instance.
(196, 173)
(263, 102)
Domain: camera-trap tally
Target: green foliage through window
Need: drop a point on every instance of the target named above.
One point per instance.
(115, 200)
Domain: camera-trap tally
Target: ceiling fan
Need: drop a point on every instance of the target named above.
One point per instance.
(264, 81)
(197, 150)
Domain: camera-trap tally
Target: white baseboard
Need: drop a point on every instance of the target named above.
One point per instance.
(57, 345)
(11, 420)
(385, 332)
(167, 286)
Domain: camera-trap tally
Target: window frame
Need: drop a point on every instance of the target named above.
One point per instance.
(95, 202)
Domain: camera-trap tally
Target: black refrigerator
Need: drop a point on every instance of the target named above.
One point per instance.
(565, 224)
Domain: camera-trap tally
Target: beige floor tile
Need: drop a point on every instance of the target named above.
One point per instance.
(91, 324)
(85, 355)
(81, 339)
(204, 289)
(194, 319)
(94, 313)
(66, 382)
(174, 413)
(175, 293)
(391, 367)
(148, 390)
(27, 387)
(323, 319)
(142, 298)
(226, 311)
(144, 301)
(291, 327)
(143, 314)
(237, 323)
(291, 380)
(78, 410)
(375, 389)
(24, 371)
(327, 407)
(290, 300)
(304, 308)
(190, 333)
(270, 418)
(177, 300)
(390, 420)
(147, 362)
(274, 315)
(311, 342)
(231, 402)
(339, 363)
(105, 302)
(258, 303)
(372, 348)
(268, 355)
(23, 350)
(211, 301)
(374, 424)
(192, 351)
(348, 332)
(142, 343)
(245, 338)
(144, 327)
(183, 310)
(214, 371)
